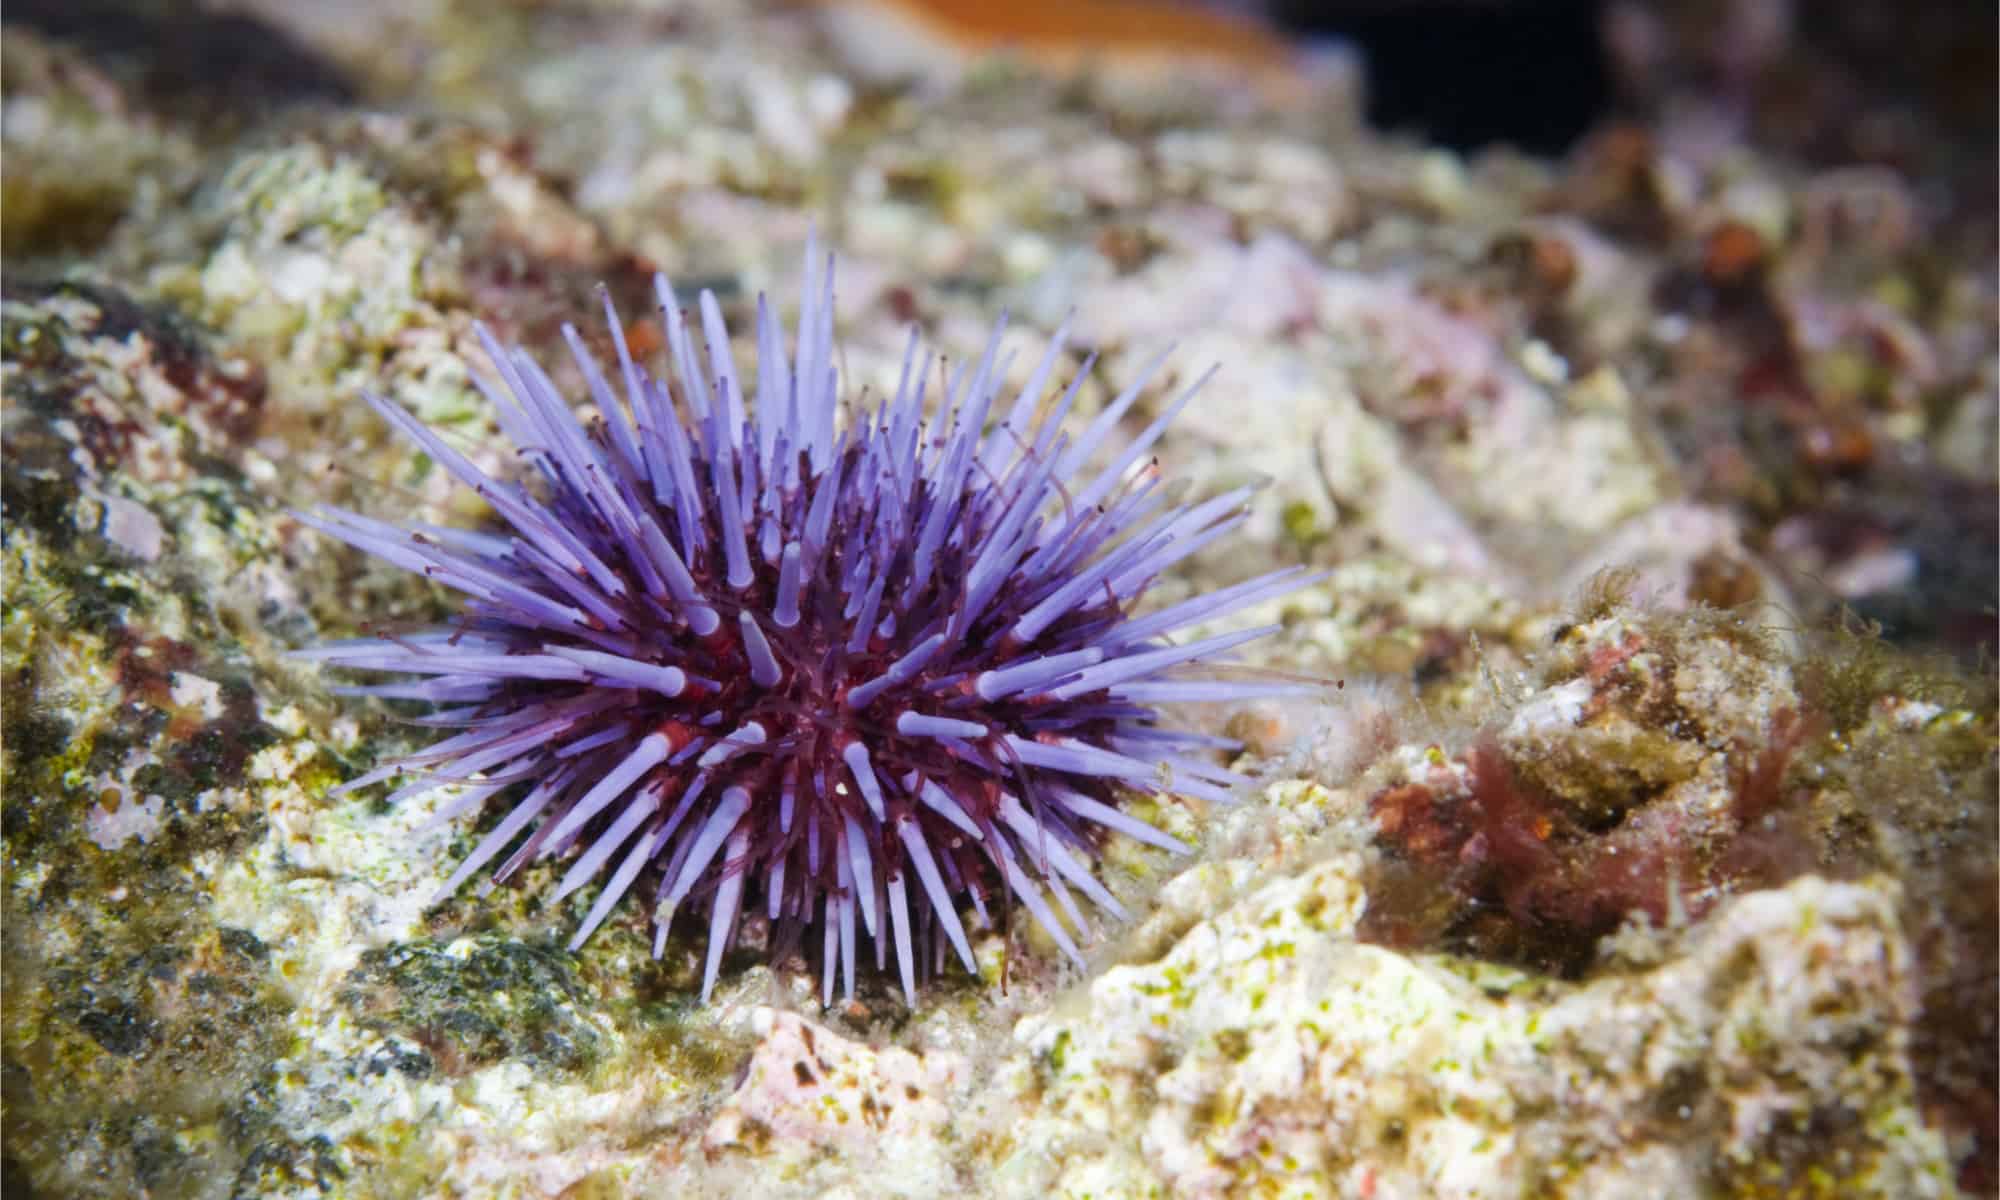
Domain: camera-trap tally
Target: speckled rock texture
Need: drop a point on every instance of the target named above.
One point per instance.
(1640, 842)
(1268, 1052)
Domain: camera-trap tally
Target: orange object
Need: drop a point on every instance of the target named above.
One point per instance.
(1054, 33)
(1732, 254)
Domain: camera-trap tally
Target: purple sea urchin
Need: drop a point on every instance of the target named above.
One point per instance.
(856, 673)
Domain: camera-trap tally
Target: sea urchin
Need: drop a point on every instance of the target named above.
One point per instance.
(859, 669)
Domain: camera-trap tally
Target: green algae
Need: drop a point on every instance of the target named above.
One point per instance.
(476, 1002)
(139, 1035)
(146, 1061)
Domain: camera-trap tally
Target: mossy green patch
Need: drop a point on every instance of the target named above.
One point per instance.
(142, 1054)
(476, 1002)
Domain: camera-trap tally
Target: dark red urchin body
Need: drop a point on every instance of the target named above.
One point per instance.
(859, 671)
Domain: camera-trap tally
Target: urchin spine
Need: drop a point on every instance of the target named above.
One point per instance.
(770, 647)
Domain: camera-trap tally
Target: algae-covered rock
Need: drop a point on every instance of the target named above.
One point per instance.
(1635, 834)
(807, 1089)
(472, 1004)
(1270, 1051)
(82, 153)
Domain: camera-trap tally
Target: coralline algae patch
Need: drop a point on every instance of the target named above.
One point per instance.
(808, 1090)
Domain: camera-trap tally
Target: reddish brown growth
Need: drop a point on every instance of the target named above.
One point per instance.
(1519, 870)
(1512, 873)
(1759, 784)
(1733, 254)
(222, 401)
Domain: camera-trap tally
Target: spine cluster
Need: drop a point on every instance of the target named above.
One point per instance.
(843, 670)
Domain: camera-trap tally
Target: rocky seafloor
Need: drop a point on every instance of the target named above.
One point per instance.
(1642, 842)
